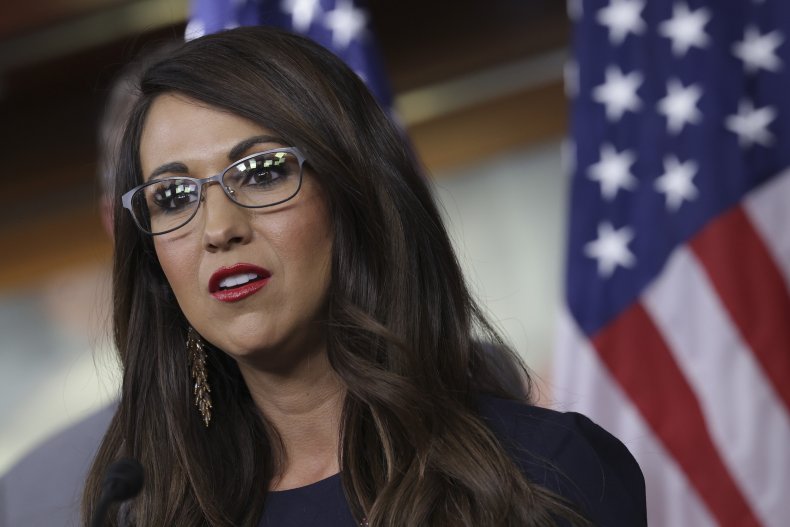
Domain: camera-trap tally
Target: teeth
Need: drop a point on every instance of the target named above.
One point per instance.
(237, 280)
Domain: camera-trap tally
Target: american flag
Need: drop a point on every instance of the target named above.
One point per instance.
(676, 333)
(342, 26)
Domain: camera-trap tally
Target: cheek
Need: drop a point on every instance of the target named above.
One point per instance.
(177, 264)
(305, 247)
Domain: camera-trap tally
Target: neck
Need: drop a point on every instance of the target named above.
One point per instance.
(304, 405)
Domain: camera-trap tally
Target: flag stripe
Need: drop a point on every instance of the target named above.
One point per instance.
(752, 288)
(583, 383)
(706, 346)
(769, 212)
(639, 359)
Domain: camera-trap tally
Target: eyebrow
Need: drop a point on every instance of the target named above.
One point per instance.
(175, 167)
(238, 151)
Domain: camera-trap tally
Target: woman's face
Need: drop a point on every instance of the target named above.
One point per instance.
(287, 247)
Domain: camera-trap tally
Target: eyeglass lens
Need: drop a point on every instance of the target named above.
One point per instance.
(261, 180)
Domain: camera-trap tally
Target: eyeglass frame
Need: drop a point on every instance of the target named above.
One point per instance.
(126, 198)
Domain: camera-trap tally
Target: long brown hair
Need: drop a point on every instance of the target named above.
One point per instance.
(403, 331)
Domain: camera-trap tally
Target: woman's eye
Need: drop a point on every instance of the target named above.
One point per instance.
(262, 177)
(175, 196)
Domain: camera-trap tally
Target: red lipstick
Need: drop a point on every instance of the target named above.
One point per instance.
(237, 282)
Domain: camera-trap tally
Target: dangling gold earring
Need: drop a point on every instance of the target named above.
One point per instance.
(197, 364)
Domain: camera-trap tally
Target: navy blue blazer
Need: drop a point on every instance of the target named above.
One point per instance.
(564, 452)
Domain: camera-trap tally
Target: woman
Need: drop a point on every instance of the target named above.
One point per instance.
(298, 344)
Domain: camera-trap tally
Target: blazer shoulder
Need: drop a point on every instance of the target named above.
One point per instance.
(572, 456)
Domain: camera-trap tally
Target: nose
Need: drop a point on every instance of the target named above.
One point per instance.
(225, 223)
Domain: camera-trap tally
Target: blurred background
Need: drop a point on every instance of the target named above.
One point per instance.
(478, 86)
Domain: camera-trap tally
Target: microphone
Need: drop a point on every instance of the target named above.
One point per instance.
(122, 481)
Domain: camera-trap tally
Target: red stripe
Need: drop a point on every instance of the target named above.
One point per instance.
(753, 291)
(638, 357)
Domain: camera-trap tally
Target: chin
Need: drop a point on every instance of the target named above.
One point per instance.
(247, 347)
(275, 352)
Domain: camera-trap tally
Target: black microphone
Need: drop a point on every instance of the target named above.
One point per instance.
(122, 481)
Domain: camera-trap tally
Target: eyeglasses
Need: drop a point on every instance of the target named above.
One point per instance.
(260, 180)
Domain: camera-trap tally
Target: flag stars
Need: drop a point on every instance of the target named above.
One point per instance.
(759, 51)
(618, 92)
(622, 17)
(675, 183)
(303, 13)
(750, 124)
(610, 249)
(195, 29)
(680, 106)
(346, 22)
(686, 28)
(613, 171)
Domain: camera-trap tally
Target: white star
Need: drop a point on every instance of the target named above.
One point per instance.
(622, 17)
(618, 92)
(686, 28)
(362, 76)
(759, 51)
(346, 22)
(302, 12)
(613, 171)
(195, 29)
(680, 105)
(675, 183)
(751, 125)
(611, 249)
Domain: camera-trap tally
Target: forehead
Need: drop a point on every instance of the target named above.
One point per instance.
(180, 129)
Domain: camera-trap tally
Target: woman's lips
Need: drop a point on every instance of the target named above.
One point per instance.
(236, 282)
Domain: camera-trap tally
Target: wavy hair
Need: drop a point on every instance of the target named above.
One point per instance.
(403, 330)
